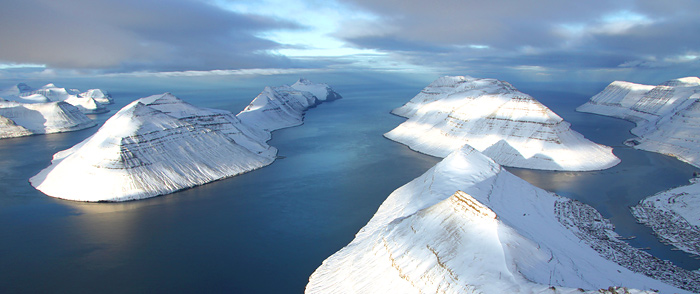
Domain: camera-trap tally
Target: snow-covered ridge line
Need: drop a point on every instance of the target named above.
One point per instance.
(161, 144)
(667, 115)
(428, 238)
(25, 119)
(495, 118)
(89, 102)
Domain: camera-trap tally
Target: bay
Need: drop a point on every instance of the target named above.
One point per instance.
(260, 232)
(267, 230)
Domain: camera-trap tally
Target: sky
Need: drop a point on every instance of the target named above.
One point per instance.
(545, 40)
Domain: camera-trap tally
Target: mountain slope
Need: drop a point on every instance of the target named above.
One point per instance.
(89, 102)
(160, 144)
(143, 152)
(507, 235)
(667, 115)
(493, 117)
(24, 119)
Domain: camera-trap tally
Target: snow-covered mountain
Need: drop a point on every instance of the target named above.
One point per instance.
(24, 119)
(15, 90)
(90, 101)
(667, 115)
(160, 144)
(281, 107)
(99, 95)
(153, 146)
(323, 92)
(674, 215)
(495, 118)
(469, 226)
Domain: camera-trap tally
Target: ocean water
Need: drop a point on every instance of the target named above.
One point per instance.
(613, 191)
(267, 230)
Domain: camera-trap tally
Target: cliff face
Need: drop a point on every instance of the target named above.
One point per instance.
(493, 117)
(667, 115)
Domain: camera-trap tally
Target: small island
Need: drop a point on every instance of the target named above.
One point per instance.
(25, 119)
(92, 101)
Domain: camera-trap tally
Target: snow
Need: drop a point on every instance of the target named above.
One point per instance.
(98, 95)
(142, 152)
(161, 144)
(24, 119)
(277, 108)
(282, 107)
(469, 226)
(323, 92)
(86, 104)
(667, 115)
(674, 215)
(505, 124)
(89, 102)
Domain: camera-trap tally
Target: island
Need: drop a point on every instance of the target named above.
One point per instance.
(25, 119)
(92, 101)
(667, 116)
(495, 118)
(282, 107)
(161, 144)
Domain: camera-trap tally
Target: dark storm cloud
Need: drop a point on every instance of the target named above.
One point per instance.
(567, 35)
(122, 35)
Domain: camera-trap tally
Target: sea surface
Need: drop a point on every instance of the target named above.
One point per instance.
(267, 230)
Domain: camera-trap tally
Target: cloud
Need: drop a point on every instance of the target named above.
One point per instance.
(219, 72)
(547, 35)
(125, 35)
(209, 37)
(503, 24)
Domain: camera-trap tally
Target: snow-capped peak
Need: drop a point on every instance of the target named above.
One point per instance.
(683, 82)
